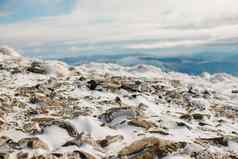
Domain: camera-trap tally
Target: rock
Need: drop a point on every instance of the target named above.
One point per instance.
(198, 116)
(43, 100)
(114, 113)
(82, 155)
(216, 141)
(77, 141)
(109, 140)
(186, 117)
(92, 84)
(114, 83)
(118, 100)
(9, 53)
(4, 155)
(158, 131)
(70, 128)
(182, 124)
(22, 155)
(150, 148)
(234, 91)
(33, 143)
(37, 67)
(206, 154)
(42, 120)
(140, 122)
(131, 86)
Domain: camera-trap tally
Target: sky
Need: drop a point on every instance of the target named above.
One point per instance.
(51, 28)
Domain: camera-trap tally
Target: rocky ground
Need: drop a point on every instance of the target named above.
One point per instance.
(51, 110)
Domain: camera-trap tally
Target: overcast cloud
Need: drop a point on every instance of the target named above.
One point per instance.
(131, 24)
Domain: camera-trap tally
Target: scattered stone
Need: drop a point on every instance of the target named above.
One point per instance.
(139, 108)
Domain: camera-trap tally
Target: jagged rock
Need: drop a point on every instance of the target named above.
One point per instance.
(70, 128)
(132, 86)
(22, 155)
(114, 113)
(140, 122)
(150, 148)
(158, 131)
(215, 141)
(37, 67)
(33, 143)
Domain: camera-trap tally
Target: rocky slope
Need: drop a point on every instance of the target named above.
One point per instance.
(49, 109)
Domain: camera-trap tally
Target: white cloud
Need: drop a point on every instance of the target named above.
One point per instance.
(168, 22)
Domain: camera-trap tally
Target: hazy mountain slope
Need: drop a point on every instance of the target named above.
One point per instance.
(195, 64)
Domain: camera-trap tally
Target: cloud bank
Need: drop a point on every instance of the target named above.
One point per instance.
(95, 25)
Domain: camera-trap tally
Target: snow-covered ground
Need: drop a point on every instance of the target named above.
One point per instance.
(50, 109)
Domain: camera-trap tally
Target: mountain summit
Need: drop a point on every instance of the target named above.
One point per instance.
(107, 111)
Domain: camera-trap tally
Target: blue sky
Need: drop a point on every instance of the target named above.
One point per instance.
(72, 27)
(15, 10)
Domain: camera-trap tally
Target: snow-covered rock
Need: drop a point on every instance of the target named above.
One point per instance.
(48, 108)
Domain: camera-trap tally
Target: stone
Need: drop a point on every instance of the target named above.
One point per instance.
(215, 140)
(33, 143)
(158, 131)
(37, 67)
(140, 122)
(114, 113)
(70, 128)
(234, 91)
(109, 140)
(4, 155)
(150, 148)
(92, 84)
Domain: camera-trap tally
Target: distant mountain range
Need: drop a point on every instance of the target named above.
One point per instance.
(195, 64)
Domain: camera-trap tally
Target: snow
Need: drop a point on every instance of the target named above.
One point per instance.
(220, 105)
